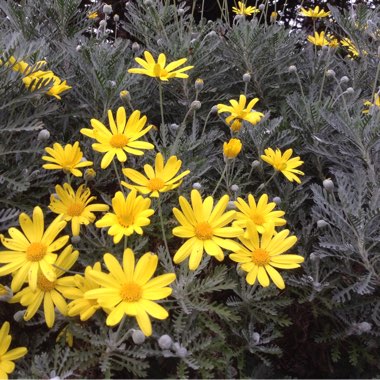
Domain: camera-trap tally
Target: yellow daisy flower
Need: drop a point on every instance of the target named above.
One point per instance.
(283, 163)
(319, 39)
(239, 112)
(22, 66)
(376, 103)
(260, 257)
(332, 40)
(242, 9)
(120, 138)
(32, 250)
(67, 158)
(8, 356)
(93, 15)
(130, 290)
(232, 148)
(260, 213)
(74, 206)
(130, 214)
(205, 228)
(314, 13)
(353, 51)
(80, 305)
(159, 69)
(160, 179)
(51, 293)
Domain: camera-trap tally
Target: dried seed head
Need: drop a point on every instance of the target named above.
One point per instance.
(103, 23)
(255, 164)
(181, 12)
(262, 7)
(350, 91)
(196, 105)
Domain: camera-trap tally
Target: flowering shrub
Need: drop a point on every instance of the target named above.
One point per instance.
(186, 198)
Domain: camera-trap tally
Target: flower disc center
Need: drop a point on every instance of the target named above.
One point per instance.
(119, 141)
(35, 252)
(260, 257)
(156, 184)
(203, 231)
(44, 284)
(131, 292)
(75, 209)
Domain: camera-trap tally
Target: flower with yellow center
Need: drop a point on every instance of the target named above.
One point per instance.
(8, 356)
(160, 179)
(283, 163)
(80, 305)
(261, 214)
(122, 136)
(319, 39)
(314, 13)
(93, 15)
(32, 250)
(205, 228)
(51, 293)
(67, 158)
(239, 112)
(242, 9)
(130, 290)
(22, 66)
(232, 148)
(332, 40)
(259, 256)
(74, 206)
(159, 69)
(376, 103)
(130, 214)
(353, 51)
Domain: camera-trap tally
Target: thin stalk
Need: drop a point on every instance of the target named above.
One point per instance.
(221, 177)
(118, 176)
(164, 234)
(376, 79)
(265, 184)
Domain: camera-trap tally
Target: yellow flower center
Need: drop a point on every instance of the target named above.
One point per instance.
(131, 292)
(44, 284)
(119, 141)
(257, 219)
(260, 257)
(159, 71)
(155, 184)
(203, 231)
(75, 209)
(125, 220)
(35, 252)
(280, 166)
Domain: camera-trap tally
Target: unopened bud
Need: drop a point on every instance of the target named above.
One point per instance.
(322, 223)
(138, 337)
(292, 69)
(135, 47)
(181, 12)
(317, 286)
(212, 34)
(89, 174)
(231, 205)
(364, 327)
(344, 79)
(273, 17)
(246, 77)
(182, 352)
(330, 73)
(256, 337)
(199, 84)
(75, 239)
(328, 185)
(255, 164)
(78, 48)
(314, 257)
(43, 135)
(277, 200)
(125, 95)
(165, 342)
(197, 186)
(107, 9)
(350, 91)
(174, 126)
(235, 188)
(103, 23)
(262, 7)
(160, 42)
(195, 105)
(325, 48)
(148, 3)
(112, 83)
(116, 18)
(19, 315)
(214, 109)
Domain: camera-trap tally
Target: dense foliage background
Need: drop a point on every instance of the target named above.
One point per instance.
(326, 323)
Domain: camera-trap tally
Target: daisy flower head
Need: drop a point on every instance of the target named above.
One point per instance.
(159, 69)
(130, 214)
(261, 214)
(75, 206)
(130, 290)
(7, 357)
(376, 103)
(160, 179)
(92, 15)
(283, 163)
(260, 255)
(319, 39)
(122, 137)
(232, 148)
(68, 158)
(31, 250)
(314, 13)
(242, 9)
(205, 228)
(50, 293)
(84, 307)
(353, 51)
(239, 112)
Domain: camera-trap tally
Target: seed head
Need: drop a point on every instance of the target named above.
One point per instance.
(196, 105)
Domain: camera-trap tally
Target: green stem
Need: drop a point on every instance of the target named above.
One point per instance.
(375, 82)
(265, 184)
(118, 176)
(164, 233)
(221, 177)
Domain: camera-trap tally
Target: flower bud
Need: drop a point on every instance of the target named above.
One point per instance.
(181, 12)
(212, 34)
(214, 109)
(75, 239)
(330, 73)
(160, 42)
(262, 7)
(256, 337)
(148, 3)
(116, 18)
(273, 17)
(107, 9)
(314, 257)
(255, 164)
(236, 125)
(138, 337)
(292, 69)
(235, 188)
(364, 327)
(19, 315)
(135, 47)
(125, 95)
(246, 77)
(112, 83)
(174, 126)
(89, 174)
(165, 342)
(328, 185)
(350, 91)
(78, 48)
(277, 200)
(43, 135)
(195, 105)
(232, 148)
(197, 186)
(325, 48)
(5, 293)
(231, 205)
(322, 223)
(199, 84)
(344, 79)
(182, 352)
(103, 23)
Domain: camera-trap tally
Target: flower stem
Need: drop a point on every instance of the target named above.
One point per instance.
(221, 177)
(118, 176)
